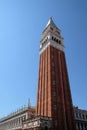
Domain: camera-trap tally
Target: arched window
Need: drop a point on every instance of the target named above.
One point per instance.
(86, 116)
(59, 42)
(83, 116)
(52, 37)
(46, 128)
(77, 115)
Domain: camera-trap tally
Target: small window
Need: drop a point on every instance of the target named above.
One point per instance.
(59, 42)
(56, 123)
(80, 115)
(52, 56)
(54, 93)
(46, 128)
(52, 63)
(53, 72)
(53, 82)
(58, 32)
(52, 37)
(55, 107)
(51, 28)
(77, 115)
(83, 116)
(86, 116)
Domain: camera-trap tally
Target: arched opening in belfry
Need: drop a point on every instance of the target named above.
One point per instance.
(46, 128)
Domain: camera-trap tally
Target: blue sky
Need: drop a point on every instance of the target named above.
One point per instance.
(21, 25)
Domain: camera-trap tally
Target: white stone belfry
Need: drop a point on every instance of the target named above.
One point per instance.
(51, 37)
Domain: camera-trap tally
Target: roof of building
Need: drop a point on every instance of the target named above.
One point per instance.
(51, 22)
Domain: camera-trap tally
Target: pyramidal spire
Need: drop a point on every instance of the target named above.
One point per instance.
(51, 22)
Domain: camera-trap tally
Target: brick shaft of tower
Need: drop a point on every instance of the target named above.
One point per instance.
(54, 95)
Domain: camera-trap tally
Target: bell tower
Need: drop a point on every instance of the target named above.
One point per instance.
(54, 95)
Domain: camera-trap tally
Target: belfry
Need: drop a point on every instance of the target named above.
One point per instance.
(54, 96)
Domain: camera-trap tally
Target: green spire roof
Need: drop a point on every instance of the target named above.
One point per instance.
(51, 22)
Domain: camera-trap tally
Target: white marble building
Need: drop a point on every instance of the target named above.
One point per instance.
(19, 119)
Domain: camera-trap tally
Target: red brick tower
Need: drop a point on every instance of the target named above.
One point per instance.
(54, 96)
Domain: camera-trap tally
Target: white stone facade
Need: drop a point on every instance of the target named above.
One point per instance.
(15, 120)
(80, 118)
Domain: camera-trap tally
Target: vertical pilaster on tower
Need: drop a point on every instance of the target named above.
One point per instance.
(54, 96)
